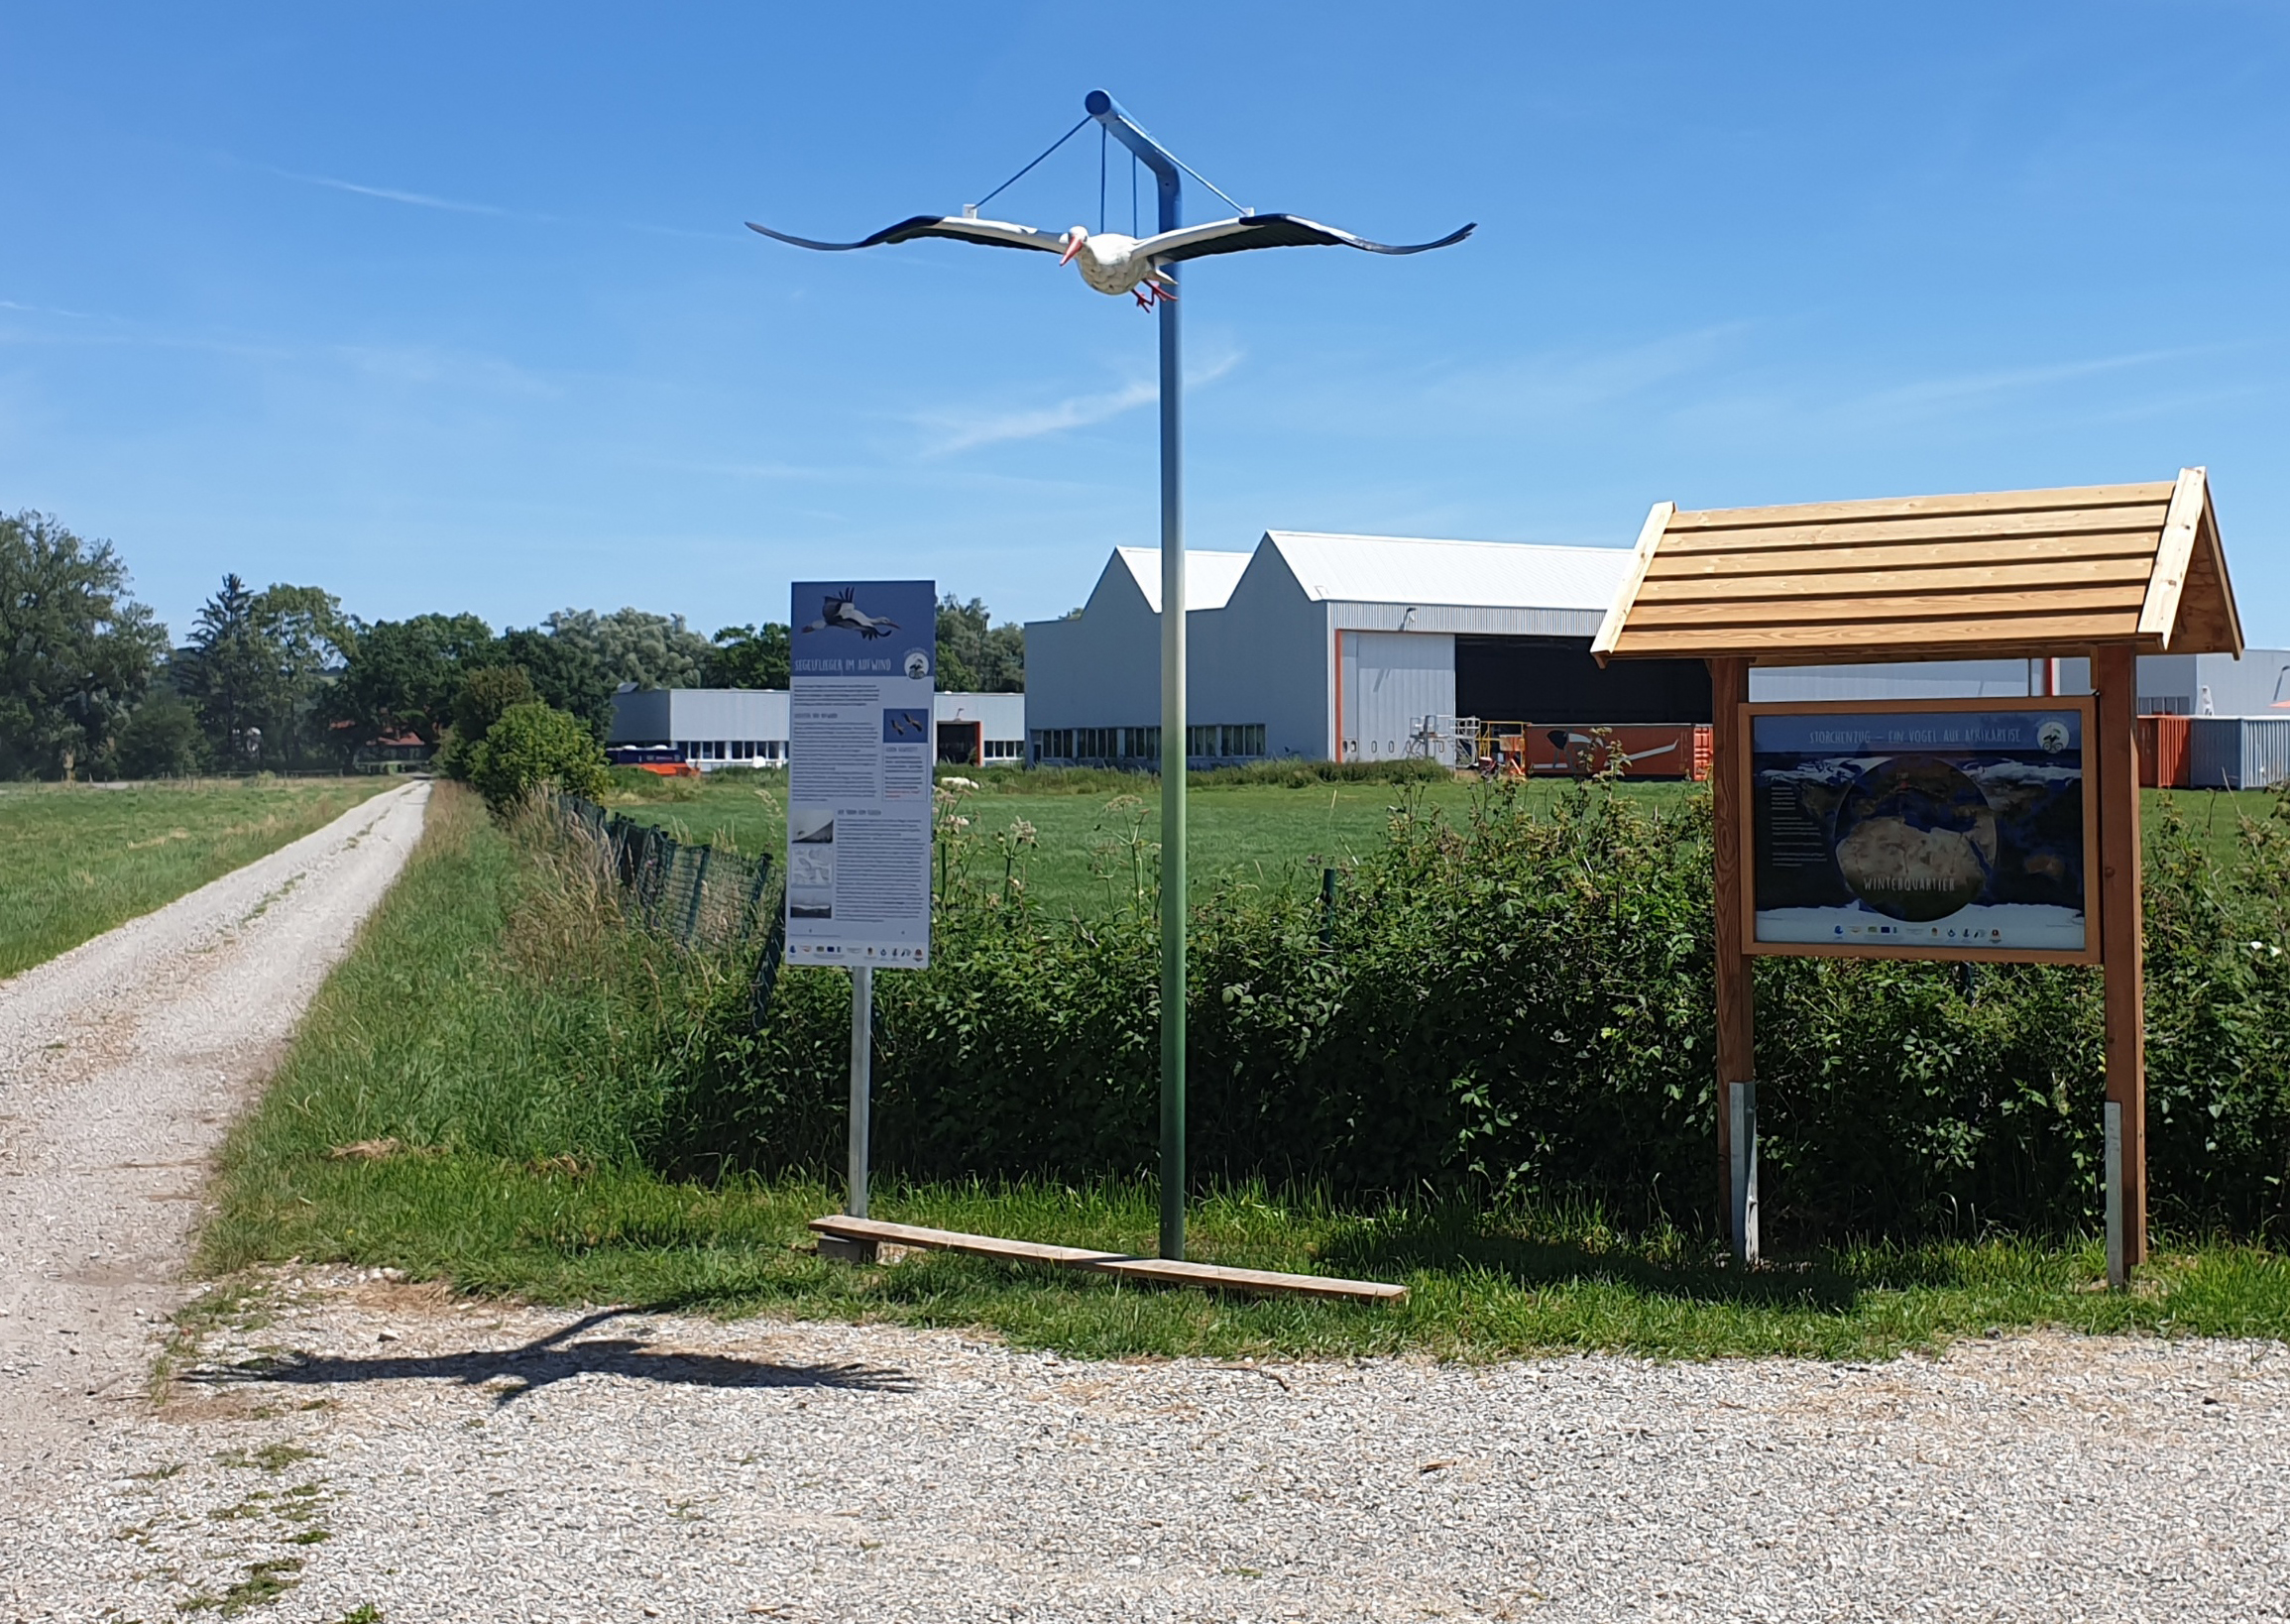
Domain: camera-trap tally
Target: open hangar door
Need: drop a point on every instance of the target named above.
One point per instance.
(1389, 681)
(960, 744)
(1554, 681)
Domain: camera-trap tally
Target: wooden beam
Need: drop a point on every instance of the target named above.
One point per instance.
(1878, 641)
(2115, 678)
(1164, 1271)
(1979, 501)
(2053, 524)
(1972, 572)
(1728, 681)
(2159, 612)
(1826, 603)
(1649, 542)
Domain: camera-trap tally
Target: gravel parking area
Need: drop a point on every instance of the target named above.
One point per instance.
(432, 1461)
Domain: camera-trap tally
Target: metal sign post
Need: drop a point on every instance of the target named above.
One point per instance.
(862, 1083)
(1174, 890)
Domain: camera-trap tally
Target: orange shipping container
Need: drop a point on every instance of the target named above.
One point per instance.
(2163, 751)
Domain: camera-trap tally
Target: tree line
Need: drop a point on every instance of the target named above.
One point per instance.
(283, 678)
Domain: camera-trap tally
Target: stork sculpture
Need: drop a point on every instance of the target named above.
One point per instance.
(1145, 268)
(1115, 263)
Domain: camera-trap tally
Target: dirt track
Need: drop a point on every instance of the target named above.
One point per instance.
(121, 1065)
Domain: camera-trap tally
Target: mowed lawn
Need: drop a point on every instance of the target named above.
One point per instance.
(1087, 843)
(76, 860)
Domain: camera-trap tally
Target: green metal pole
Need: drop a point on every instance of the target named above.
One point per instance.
(1174, 892)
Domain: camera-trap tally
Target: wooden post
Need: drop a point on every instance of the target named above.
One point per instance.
(2122, 938)
(1728, 681)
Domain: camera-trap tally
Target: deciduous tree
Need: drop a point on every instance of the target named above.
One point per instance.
(76, 652)
(750, 656)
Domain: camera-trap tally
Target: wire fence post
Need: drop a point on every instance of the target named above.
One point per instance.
(699, 894)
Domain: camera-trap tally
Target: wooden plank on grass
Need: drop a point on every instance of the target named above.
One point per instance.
(1261, 1281)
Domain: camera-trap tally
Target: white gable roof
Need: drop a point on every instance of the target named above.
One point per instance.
(1477, 574)
(1210, 577)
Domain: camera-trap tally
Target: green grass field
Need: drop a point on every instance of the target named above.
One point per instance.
(441, 1112)
(1088, 838)
(1090, 830)
(76, 860)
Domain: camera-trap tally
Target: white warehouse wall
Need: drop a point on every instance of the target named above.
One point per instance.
(1264, 657)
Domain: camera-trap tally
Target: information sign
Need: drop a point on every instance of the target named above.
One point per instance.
(859, 748)
(1934, 830)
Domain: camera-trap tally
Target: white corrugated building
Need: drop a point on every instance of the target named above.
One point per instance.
(1339, 647)
(748, 726)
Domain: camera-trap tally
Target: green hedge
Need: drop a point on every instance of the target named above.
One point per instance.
(1524, 1002)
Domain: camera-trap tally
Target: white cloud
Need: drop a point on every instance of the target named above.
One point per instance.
(389, 195)
(959, 433)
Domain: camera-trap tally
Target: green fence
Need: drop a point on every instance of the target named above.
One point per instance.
(703, 897)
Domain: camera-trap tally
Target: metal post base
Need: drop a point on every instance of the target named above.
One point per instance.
(2118, 1275)
(1741, 1104)
(836, 1249)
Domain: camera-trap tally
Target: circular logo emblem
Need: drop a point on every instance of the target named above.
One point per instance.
(2052, 735)
(917, 665)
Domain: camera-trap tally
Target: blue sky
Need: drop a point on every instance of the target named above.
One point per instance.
(451, 307)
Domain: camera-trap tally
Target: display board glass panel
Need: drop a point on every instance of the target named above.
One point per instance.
(1947, 829)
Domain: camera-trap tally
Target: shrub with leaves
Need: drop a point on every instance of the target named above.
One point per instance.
(1525, 1001)
(532, 748)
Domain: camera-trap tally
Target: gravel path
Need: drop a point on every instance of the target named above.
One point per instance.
(437, 1461)
(346, 1447)
(121, 1063)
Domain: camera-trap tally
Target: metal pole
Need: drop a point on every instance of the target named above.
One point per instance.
(2113, 1120)
(1743, 1105)
(1174, 891)
(861, 1081)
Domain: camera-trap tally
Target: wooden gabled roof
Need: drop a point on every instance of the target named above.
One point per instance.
(1945, 577)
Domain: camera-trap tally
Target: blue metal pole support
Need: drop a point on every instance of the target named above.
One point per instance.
(1174, 889)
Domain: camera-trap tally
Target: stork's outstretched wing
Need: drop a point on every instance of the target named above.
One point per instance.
(992, 233)
(1273, 231)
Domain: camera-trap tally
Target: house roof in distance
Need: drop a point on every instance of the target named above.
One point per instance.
(1210, 577)
(1474, 574)
(1946, 577)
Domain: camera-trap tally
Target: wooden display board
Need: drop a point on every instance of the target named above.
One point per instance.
(2104, 571)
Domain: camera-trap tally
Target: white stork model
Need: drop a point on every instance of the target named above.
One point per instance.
(1116, 264)
(841, 610)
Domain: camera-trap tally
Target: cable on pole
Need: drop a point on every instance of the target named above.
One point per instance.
(1046, 152)
(1104, 136)
(1203, 180)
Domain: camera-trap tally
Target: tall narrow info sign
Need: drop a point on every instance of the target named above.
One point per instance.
(860, 744)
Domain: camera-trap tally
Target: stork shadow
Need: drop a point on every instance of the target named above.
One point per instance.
(531, 1366)
(1453, 1242)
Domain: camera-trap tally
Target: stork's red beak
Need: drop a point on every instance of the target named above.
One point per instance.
(1073, 247)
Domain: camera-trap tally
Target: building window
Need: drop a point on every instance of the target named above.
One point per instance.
(1054, 743)
(1224, 741)
(1005, 750)
(1097, 743)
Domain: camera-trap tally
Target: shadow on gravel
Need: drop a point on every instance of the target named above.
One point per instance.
(1452, 1243)
(554, 1358)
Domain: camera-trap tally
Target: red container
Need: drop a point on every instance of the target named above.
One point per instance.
(1664, 750)
(2163, 751)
